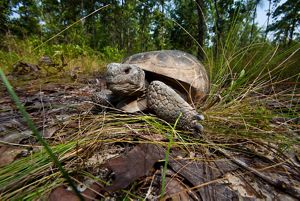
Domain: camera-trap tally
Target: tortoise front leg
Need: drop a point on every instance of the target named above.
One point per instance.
(168, 105)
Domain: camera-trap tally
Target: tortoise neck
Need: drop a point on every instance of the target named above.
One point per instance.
(141, 90)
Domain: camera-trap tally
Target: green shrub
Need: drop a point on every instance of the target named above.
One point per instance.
(113, 53)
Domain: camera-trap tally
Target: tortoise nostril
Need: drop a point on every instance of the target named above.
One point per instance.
(127, 71)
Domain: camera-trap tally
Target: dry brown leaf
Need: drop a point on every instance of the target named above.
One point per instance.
(202, 172)
(62, 194)
(177, 191)
(135, 164)
(9, 154)
(48, 132)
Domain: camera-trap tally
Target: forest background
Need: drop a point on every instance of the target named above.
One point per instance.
(211, 30)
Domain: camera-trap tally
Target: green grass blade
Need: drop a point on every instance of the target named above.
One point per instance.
(170, 143)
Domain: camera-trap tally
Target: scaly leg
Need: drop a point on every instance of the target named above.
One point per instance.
(168, 105)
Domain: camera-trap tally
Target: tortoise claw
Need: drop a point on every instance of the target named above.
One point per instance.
(199, 127)
(199, 117)
(198, 131)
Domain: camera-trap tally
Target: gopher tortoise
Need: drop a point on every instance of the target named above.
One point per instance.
(168, 82)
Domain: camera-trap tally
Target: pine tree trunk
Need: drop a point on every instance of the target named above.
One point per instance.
(253, 22)
(291, 32)
(268, 19)
(201, 29)
(218, 30)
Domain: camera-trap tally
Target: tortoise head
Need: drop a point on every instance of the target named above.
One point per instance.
(125, 79)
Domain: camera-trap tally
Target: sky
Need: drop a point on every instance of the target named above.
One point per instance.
(262, 10)
(261, 17)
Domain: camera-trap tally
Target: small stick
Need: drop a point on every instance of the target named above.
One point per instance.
(283, 186)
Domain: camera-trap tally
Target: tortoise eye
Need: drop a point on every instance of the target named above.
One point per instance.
(127, 70)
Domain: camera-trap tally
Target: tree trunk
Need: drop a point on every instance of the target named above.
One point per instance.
(4, 16)
(201, 29)
(218, 30)
(162, 26)
(286, 35)
(253, 21)
(291, 32)
(143, 24)
(268, 19)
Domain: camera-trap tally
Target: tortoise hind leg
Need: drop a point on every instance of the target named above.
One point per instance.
(168, 105)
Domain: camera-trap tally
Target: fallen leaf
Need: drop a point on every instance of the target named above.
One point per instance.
(178, 191)
(9, 154)
(48, 132)
(61, 193)
(201, 173)
(135, 164)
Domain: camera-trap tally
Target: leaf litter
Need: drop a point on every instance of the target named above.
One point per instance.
(126, 159)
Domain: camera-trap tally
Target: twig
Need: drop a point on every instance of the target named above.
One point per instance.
(283, 186)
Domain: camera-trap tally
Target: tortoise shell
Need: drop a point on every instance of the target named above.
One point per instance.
(180, 67)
